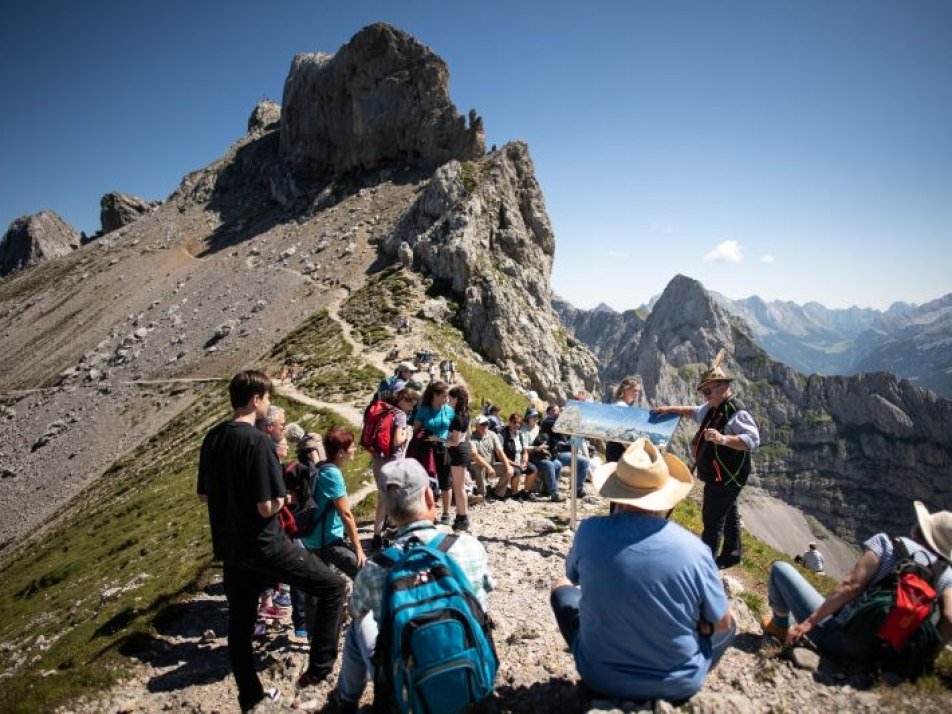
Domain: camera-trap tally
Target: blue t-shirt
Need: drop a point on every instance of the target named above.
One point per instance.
(436, 421)
(328, 487)
(645, 583)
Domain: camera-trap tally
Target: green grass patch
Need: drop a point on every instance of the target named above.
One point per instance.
(329, 368)
(484, 385)
(131, 543)
(373, 310)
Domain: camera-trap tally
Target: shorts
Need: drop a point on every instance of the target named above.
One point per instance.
(461, 455)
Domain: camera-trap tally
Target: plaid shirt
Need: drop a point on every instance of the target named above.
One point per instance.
(468, 553)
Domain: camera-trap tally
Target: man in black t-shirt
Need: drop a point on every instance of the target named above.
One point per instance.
(241, 479)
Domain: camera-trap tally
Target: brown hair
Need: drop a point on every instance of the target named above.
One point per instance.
(247, 384)
(337, 439)
(432, 389)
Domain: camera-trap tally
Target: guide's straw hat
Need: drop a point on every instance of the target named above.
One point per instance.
(936, 529)
(644, 477)
(716, 373)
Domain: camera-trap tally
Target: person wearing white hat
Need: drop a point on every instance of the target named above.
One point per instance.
(824, 620)
(642, 608)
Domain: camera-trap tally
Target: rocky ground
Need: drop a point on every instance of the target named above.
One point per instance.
(184, 667)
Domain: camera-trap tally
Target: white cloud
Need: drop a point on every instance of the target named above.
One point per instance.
(767, 258)
(728, 251)
(617, 254)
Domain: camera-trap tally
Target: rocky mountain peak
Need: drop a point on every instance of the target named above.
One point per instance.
(265, 115)
(33, 239)
(382, 99)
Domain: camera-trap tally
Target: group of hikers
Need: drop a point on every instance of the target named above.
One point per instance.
(641, 606)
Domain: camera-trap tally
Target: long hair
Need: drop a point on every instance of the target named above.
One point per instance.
(461, 396)
(628, 382)
(433, 389)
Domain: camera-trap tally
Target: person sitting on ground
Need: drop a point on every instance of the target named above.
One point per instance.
(517, 463)
(824, 621)
(486, 449)
(496, 424)
(335, 519)
(813, 559)
(405, 399)
(537, 443)
(412, 506)
(646, 617)
(562, 448)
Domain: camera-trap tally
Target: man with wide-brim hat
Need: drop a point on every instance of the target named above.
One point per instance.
(642, 607)
(721, 449)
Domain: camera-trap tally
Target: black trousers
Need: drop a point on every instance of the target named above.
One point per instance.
(720, 515)
(244, 582)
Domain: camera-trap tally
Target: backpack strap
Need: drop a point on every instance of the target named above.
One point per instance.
(446, 541)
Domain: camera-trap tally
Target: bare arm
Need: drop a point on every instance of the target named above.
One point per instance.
(681, 410)
(350, 526)
(725, 623)
(269, 508)
(945, 621)
(850, 587)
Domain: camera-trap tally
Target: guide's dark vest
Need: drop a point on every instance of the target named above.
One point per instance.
(720, 464)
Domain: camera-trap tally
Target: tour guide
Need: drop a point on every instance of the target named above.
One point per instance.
(722, 449)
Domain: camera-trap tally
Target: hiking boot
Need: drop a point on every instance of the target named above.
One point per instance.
(311, 679)
(476, 499)
(338, 705)
(772, 629)
(556, 498)
(461, 523)
(529, 496)
(727, 560)
(302, 635)
(445, 519)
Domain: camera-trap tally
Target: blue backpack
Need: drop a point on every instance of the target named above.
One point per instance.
(434, 651)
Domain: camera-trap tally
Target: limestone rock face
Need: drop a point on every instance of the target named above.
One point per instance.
(481, 227)
(853, 452)
(265, 115)
(382, 99)
(119, 209)
(32, 239)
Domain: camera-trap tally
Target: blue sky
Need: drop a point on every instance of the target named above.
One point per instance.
(795, 150)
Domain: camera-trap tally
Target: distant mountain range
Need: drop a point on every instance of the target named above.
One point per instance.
(911, 341)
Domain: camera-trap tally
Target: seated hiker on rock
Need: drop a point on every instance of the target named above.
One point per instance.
(486, 450)
(412, 507)
(562, 449)
(838, 625)
(813, 559)
(647, 617)
(517, 463)
(334, 539)
(541, 456)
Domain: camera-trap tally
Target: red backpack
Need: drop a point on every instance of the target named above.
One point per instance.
(376, 436)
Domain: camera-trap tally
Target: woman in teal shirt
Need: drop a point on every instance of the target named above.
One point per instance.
(433, 418)
(335, 519)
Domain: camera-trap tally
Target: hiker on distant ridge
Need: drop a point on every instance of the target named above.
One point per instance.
(241, 480)
(813, 559)
(839, 626)
(722, 446)
(642, 606)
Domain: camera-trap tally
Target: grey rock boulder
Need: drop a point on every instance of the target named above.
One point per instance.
(32, 239)
(119, 209)
(382, 99)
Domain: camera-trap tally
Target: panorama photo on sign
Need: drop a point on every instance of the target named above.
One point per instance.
(616, 423)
